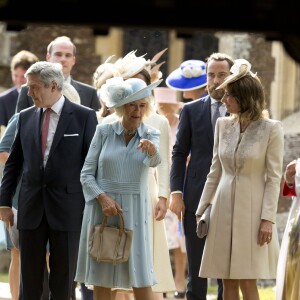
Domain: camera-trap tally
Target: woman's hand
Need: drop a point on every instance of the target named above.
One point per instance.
(265, 232)
(7, 216)
(290, 171)
(109, 206)
(177, 205)
(147, 146)
(160, 209)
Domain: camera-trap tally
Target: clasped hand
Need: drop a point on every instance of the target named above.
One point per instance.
(7, 216)
(109, 206)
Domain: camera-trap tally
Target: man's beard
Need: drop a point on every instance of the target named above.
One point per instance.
(216, 94)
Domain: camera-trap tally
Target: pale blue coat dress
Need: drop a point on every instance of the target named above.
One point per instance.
(121, 172)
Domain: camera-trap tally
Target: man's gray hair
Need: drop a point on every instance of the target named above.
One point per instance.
(48, 72)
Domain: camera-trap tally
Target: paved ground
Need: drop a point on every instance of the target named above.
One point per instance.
(5, 293)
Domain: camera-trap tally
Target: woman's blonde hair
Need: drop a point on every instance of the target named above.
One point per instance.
(149, 108)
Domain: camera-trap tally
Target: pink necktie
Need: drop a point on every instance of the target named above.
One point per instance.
(45, 129)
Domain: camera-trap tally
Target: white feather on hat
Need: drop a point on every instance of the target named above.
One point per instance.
(103, 72)
(130, 65)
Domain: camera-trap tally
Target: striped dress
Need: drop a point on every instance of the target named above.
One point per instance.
(122, 173)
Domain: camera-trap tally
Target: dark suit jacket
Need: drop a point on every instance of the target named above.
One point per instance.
(195, 136)
(8, 102)
(88, 96)
(56, 189)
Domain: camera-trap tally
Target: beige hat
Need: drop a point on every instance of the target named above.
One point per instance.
(130, 65)
(103, 72)
(240, 68)
(70, 92)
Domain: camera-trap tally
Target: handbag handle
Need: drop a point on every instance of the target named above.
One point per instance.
(104, 222)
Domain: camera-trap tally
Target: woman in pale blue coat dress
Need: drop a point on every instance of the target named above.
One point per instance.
(114, 178)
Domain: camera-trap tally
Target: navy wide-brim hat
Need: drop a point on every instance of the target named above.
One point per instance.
(191, 75)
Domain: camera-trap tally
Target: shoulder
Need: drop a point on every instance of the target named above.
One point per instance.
(83, 85)
(8, 93)
(275, 125)
(156, 120)
(147, 131)
(201, 102)
(77, 106)
(110, 118)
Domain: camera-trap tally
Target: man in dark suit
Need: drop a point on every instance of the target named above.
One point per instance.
(195, 137)
(19, 64)
(51, 202)
(63, 51)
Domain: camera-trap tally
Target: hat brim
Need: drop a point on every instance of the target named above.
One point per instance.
(229, 79)
(180, 83)
(240, 68)
(143, 93)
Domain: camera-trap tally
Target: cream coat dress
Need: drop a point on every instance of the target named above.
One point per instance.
(243, 186)
(160, 186)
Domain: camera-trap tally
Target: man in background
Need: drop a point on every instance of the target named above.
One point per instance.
(8, 99)
(62, 50)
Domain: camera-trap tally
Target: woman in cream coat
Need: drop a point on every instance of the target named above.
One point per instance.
(243, 187)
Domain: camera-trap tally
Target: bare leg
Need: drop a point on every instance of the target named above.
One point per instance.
(145, 293)
(101, 293)
(120, 295)
(14, 273)
(180, 269)
(231, 289)
(158, 296)
(249, 289)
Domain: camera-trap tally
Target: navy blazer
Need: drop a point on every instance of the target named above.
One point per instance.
(8, 102)
(194, 135)
(88, 96)
(56, 189)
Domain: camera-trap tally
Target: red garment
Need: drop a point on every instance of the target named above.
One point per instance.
(288, 191)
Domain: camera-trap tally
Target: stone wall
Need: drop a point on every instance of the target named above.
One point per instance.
(36, 39)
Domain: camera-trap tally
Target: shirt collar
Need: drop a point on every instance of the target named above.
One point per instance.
(58, 105)
(213, 101)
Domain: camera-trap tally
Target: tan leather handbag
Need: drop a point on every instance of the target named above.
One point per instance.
(108, 243)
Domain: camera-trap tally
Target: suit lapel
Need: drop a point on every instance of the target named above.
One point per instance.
(63, 122)
(37, 120)
(207, 111)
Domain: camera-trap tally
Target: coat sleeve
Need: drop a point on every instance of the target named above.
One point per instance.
(213, 176)
(274, 162)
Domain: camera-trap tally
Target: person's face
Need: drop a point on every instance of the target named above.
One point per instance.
(134, 113)
(232, 105)
(63, 53)
(168, 108)
(41, 95)
(217, 71)
(17, 76)
(194, 94)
